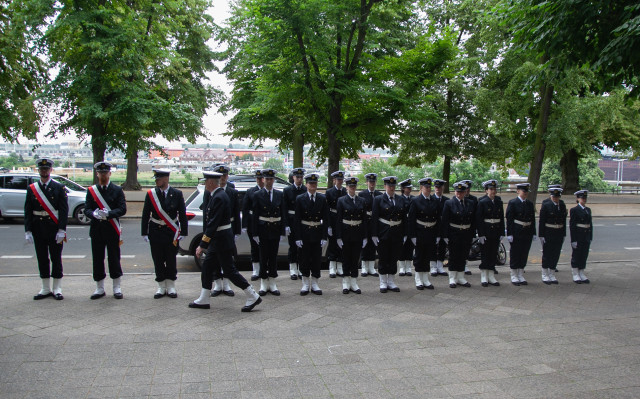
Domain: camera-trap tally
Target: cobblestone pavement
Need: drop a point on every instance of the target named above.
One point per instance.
(535, 341)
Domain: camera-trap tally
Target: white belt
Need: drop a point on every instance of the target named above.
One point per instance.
(312, 224)
(40, 213)
(553, 226)
(333, 210)
(160, 221)
(290, 212)
(369, 213)
(232, 219)
(521, 223)
(352, 222)
(250, 212)
(460, 226)
(390, 222)
(226, 226)
(492, 220)
(584, 226)
(269, 220)
(426, 224)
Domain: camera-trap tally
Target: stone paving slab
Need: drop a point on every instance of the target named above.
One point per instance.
(538, 341)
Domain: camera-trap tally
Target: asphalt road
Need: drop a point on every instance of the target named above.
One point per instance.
(615, 239)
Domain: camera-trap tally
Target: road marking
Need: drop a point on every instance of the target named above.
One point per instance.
(127, 256)
(16, 256)
(4, 227)
(619, 224)
(76, 227)
(74, 256)
(602, 225)
(632, 248)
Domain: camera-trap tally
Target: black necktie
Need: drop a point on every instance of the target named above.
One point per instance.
(163, 195)
(269, 192)
(313, 198)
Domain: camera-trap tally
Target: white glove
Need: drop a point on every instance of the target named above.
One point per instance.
(244, 230)
(104, 213)
(446, 240)
(482, 239)
(510, 238)
(28, 237)
(180, 238)
(287, 231)
(330, 232)
(280, 238)
(60, 236)
(364, 242)
(535, 237)
(404, 239)
(97, 214)
(145, 238)
(256, 239)
(375, 241)
(542, 240)
(299, 243)
(500, 239)
(323, 243)
(574, 244)
(340, 242)
(235, 237)
(414, 240)
(437, 240)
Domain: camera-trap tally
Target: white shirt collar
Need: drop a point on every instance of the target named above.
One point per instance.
(46, 183)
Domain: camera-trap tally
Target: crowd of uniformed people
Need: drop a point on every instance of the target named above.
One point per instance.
(410, 235)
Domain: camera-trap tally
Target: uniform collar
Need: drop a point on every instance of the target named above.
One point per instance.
(46, 183)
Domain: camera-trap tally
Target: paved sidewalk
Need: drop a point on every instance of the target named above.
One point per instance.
(535, 341)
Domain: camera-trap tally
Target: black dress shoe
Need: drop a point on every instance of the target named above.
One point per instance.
(42, 296)
(340, 274)
(420, 287)
(317, 292)
(577, 281)
(194, 305)
(555, 270)
(216, 293)
(345, 291)
(276, 293)
(58, 297)
(586, 281)
(395, 289)
(304, 292)
(358, 291)
(254, 277)
(496, 272)
(402, 274)
(249, 308)
(374, 274)
(229, 293)
(158, 295)
(96, 296)
(554, 282)
(468, 273)
(294, 277)
(118, 295)
(524, 283)
(434, 274)
(467, 284)
(452, 285)
(485, 284)
(409, 274)
(173, 295)
(547, 282)
(496, 284)
(332, 275)
(429, 287)
(383, 290)
(516, 284)
(443, 274)
(364, 274)
(262, 293)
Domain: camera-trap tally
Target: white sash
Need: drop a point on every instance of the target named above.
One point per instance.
(155, 201)
(103, 205)
(44, 202)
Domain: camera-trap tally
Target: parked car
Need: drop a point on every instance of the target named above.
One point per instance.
(194, 214)
(13, 191)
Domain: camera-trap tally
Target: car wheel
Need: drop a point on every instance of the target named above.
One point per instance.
(80, 216)
(192, 250)
(502, 255)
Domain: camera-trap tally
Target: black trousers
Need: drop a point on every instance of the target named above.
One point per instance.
(425, 251)
(334, 253)
(519, 251)
(489, 255)
(164, 255)
(350, 257)
(255, 251)
(292, 255)
(459, 246)
(310, 258)
(269, 257)
(44, 240)
(98, 245)
(551, 252)
(441, 251)
(579, 255)
(389, 251)
(215, 261)
(368, 253)
(407, 250)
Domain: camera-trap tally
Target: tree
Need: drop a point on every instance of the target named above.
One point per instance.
(275, 164)
(130, 71)
(325, 72)
(591, 176)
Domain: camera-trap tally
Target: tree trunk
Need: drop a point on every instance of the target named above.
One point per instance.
(570, 172)
(298, 149)
(446, 172)
(131, 181)
(333, 150)
(98, 145)
(540, 145)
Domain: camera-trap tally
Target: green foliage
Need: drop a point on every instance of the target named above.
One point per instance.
(591, 176)
(276, 164)
(13, 161)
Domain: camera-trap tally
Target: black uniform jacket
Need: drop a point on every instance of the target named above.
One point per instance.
(488, 209)
(424, 210)
(263, 207)
(114, 196)
(236, 223)
(217, 214)
(551, 213)
(523, 212)
(368, 197)
(582, 217)
(174, 206)
(454, 212)
(440, 202)
(290, 194)
(350, 211)
(57, 196)
(247, 209)
(317, 211)
(383, 208)
(333, 194)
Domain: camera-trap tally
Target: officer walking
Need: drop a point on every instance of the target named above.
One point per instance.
(458, 227)
(247, 224)
(268, 227)
(368, 255)
(552, 229)
(491, 226)
(105, 205)
(351, 234)
(389, 221)
(311, 230)
(334, 253)
(164, 223)
(46, 212)
(521, 230)
(423, 230)
(437, 259)
(218, 242)
(406, 256)
(290, 194)
(581, 230)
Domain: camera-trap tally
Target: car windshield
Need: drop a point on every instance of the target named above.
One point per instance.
(68, 183)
